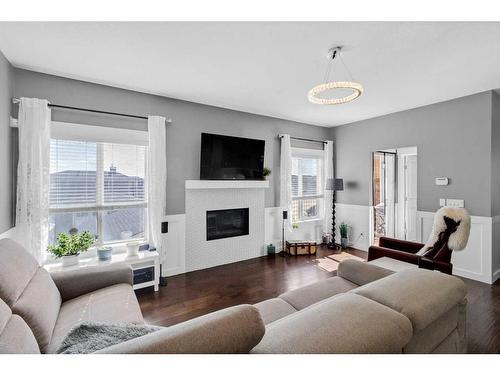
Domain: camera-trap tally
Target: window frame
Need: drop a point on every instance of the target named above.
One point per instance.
(306, 153)
(99, 135)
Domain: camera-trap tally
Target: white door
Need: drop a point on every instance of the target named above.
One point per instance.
(390, 194)
(411, 197)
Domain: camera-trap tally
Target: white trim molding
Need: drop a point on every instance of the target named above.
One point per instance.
(226, 184)
(495, 249)
(475, 261)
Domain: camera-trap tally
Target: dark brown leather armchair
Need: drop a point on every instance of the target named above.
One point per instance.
(406, 251)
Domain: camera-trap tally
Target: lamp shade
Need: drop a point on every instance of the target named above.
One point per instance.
(336, 184)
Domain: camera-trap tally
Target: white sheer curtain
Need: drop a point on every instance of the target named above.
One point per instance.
(32, 206)
(328, 194)
(157, 181)
(286, 178)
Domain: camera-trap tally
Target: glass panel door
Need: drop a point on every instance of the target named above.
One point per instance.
(384, 194)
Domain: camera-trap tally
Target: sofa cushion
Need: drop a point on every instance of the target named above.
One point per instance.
(361, 273)
(274, 309)
(114, 304)
(16, 270)
(236, 329)
(39, 306)
(15, 335)
(429, 338)
(392, 264)
(345, 323)
(310, 294)
(421, 295)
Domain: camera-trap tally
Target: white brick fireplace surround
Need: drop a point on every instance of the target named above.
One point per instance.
(203, 196)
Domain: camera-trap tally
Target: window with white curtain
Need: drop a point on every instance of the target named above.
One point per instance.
(307, 183)
(99, 187)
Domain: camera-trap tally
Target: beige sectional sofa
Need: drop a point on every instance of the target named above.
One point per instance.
(365, 309)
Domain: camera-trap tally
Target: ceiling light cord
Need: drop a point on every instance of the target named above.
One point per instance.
(346, 68)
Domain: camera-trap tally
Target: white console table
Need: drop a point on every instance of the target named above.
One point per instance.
(145, 259)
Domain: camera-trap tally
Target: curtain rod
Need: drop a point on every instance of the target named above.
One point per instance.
(17, 100)
(304, 139)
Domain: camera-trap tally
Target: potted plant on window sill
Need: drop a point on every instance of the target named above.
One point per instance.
(70, 245)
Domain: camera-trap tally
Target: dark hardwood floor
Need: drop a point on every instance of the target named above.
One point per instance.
(197, 293)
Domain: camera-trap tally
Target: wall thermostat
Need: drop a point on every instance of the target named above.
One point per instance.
(441, 181)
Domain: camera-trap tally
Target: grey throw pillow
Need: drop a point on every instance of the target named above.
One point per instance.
(90, 337)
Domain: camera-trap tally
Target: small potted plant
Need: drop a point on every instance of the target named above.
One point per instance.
(343, 228)
(266, 172)
(70, 245)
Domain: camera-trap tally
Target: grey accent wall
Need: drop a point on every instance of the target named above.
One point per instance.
(495, 154)
(6, 149)
(495, 179)
(183, 135)
(453, 140)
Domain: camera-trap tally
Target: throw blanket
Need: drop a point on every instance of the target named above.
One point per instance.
(90, 337)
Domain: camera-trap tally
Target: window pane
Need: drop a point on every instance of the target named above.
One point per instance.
(122, 224)
(63, 222)
(124, 172)
(309, 169)
(72, 172)
(309, 208)
(306, 174)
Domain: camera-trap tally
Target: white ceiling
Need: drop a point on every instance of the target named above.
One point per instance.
(267, 68)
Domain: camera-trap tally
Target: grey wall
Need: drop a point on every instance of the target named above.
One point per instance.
(6, 151)
(495, 154)
(453, 140)
(183, 135)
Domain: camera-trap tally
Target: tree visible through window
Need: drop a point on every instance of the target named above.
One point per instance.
(97, 187)
(306, 188)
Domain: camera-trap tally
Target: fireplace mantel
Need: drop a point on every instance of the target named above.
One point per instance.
(226, 184)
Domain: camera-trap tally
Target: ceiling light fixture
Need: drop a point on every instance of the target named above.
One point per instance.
(314, 94)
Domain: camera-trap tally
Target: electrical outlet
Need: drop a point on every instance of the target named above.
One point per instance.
(455, 203)
(442, 202)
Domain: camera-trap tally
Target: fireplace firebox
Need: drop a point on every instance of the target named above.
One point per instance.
(227, 223)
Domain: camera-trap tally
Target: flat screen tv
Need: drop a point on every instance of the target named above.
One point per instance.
(231, 158)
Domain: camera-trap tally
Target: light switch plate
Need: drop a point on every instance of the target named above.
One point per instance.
(455, 203)
(442, 202)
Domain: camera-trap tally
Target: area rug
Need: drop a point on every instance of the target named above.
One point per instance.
(343, 256)
(326, 264)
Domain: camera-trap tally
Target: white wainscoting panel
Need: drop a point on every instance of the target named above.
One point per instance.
(358, 219)
(273, 225)
(475, 261)
(495, 249)
(174, 243)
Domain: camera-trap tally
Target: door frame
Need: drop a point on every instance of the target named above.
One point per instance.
(402, 153)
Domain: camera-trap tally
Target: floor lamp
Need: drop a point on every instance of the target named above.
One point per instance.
(334, 185)
(283, 251)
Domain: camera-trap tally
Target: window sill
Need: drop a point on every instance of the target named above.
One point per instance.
(118, 248)
(310, 220)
